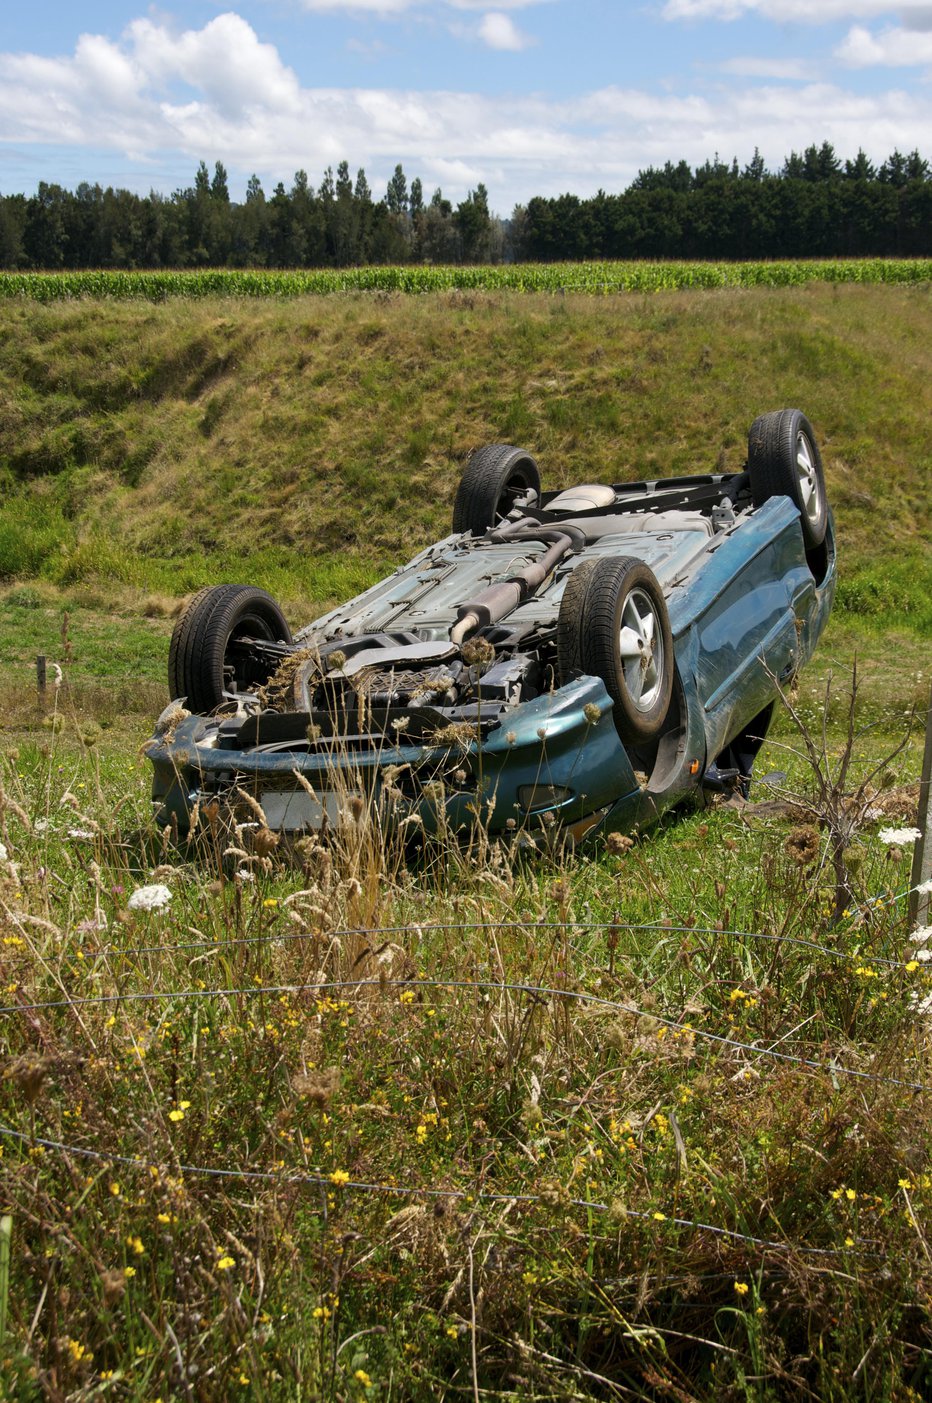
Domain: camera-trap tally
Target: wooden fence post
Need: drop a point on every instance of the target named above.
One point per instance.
(40, 680)
(920, 902)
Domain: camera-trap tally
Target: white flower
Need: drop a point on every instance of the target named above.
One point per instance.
(41, 825)
(4, 855)
(922, 1005)
(245, 875)
(921, 935)
(899, 837)
(924, 888)
(925, 955)
(149, 898)
(80, 833)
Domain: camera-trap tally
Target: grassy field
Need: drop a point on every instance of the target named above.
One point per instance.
(358, 1123)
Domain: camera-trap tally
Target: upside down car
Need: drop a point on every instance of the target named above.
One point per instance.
(576, 660)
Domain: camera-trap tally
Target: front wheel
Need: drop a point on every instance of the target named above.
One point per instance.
(784, 461)
(205, 663)
(613, 624)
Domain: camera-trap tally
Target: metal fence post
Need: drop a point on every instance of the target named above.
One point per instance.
(920, 902)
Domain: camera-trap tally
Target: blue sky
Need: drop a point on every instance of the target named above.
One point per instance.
(527, 96)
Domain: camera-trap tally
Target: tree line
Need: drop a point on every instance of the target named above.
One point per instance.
(814, 206)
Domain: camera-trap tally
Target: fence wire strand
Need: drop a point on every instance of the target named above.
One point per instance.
(484, 985)
(323, 1181)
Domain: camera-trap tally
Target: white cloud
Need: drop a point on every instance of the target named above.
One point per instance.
(808, 11)
(891, 48)
(500, 32)
(165, 96)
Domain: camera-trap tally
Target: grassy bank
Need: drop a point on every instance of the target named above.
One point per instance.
(304, 446)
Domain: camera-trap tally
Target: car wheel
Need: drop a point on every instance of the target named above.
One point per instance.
(203, 665)
(493, 479)
(613, 624)
(784, 461)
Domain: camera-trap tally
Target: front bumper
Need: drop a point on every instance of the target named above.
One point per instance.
(553, 761)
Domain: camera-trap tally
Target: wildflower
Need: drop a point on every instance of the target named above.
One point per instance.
(270, 901)
(849, 1241)
(453, 1332)
(79, 1351)
(899, 837)
(921, 934)
(911, 965)
(244, 1379)
(151, 898)
(136, 1244)
(129, 1272)
(339, 1176)
(742, 1288)
(176, 1114)
(925, 955)
(115, 1189)
(362, 1377)
(225, 1263)
(80, 833)
(850, 1195)
(4, 855)
(659, 1217)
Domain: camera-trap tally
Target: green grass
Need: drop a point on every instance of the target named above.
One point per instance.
(542, 1163)
(306, 445)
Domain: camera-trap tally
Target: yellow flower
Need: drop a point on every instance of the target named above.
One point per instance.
(164, 1217)
(904, 1183)
(911, 965)
(129, 1271)
(115, 1189)
(406, 996)
(244, 1379)
(270, 901)
(136, 1244)
(362, 1377)
(339, 1176)
(453, 1332)
(742, 1288)
(849, 1241)
(177, 1114)
(850, 1195)
(659, 1217)
(225, 1263)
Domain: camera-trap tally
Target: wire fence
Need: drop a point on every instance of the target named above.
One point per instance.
(329, 1185)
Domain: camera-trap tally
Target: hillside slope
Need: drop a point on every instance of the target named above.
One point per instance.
(305, 445)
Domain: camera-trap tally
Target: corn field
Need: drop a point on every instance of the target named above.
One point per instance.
(590, 278)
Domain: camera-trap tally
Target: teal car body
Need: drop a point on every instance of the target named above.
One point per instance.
(382, 700)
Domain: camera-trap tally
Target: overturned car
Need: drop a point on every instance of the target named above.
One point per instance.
(574, 661)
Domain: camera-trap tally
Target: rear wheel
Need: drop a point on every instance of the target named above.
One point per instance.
(205, 665)
(613, 624)
(784, 461)
(493, 480)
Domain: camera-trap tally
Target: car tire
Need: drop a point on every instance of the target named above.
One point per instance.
(492, 480)
(198, 653)
(784, 461)
(570, 625)
(613, 624)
